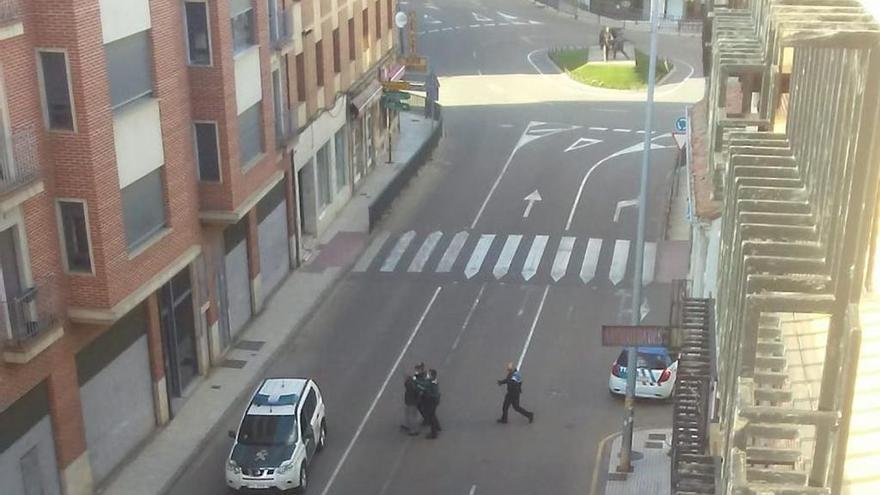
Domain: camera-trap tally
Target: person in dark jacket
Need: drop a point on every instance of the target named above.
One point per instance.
(513, 380)
(411, 417)
(430, 401)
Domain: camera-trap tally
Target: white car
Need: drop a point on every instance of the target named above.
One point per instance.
(656, 371)
(282, 429)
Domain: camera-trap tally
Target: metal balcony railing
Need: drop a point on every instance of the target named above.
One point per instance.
(22, 165)
(10, 10)
(281, 28)
(29, 314)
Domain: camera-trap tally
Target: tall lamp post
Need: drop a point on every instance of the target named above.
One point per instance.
(625, 464)
(400, 20)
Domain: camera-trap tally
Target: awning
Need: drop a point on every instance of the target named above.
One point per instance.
(363, 99)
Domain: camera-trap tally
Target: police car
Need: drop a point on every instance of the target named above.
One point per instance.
(656, 371)
(281, 430)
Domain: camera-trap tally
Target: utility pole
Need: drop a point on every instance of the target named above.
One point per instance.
(625, 464)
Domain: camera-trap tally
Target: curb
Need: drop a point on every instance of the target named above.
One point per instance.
(383, 201)
(258, 375)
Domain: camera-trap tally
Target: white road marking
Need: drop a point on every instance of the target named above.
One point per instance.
(598, 128)
(447, 29)
(532, 63)
(508, 16)
(563, 255)
(475, 55)
(640, 131)
(516, 147)
(530, 267)
(378, 396)
(481, 18)
(591, 259)
(581, 143)
(473, 490)
(519, 23)
(397, 252)
(639, 147)
(649, 263)
(535, 23)
(424, 252)
(479, 254)
(502, 266)
(530, 199)
(506, 126)
(370, 253)
(475, 25)
(624, 204)
(620, 130)
(431, 6)
(502, 24)
(467, 321)
(452, 252)
(525, 349)
(618, 261)
(489, 24)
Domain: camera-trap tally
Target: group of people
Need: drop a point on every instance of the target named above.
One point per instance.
(422, 396)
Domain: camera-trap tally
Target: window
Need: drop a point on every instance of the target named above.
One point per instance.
(337, 64)
(197, 33)
(243, 27)
(324, 176)
(389, 14)
(366, 30)
(56, 90)
(250, 133)
(267, 430)
(319, 61)
(75, 233)
(309, 406)
(129, 68)
(378, 20)
(207, 152)
(351, 53)
(143, 208)
(300, 78)
(341, 160)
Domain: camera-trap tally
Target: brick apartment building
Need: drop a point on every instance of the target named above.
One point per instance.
(163, 165)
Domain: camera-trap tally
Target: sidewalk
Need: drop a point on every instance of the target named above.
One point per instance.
(157, 465)
(650, 461)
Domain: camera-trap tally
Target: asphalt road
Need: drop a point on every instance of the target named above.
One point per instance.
(511, 304)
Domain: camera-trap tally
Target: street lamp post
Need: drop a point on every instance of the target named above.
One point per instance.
(625, 464)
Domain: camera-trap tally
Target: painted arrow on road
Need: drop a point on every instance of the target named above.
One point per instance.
(624, 204)
(581, 143)
(531, 198)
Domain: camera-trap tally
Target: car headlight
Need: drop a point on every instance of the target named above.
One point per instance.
(233, 466)
(285, 467)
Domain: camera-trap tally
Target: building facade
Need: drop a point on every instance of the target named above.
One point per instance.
(784, 179)
(164, 165)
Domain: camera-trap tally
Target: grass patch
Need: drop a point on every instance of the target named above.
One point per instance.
(575, 62)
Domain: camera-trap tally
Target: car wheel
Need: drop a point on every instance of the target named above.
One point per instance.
(303, 479)
(322, 440)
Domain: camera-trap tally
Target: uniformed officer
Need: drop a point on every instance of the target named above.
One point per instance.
(513, 380)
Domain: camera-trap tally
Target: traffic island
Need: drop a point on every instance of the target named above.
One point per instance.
(587, 65)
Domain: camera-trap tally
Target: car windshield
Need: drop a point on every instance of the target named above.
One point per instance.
(266, 429)
(646, 360)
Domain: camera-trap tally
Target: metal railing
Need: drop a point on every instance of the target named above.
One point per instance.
(10, 10)
(281, 28)
(797, 212)
(22, 165)
(30, 313)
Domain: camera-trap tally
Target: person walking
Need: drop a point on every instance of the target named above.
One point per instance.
(430, 401)
(513, 380)
(411, 419)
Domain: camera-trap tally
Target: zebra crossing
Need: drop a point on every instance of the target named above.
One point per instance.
(506, 257)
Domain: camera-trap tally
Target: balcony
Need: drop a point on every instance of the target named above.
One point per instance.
(281, 29)
(10, 11)
(285, 128)
(21, 167)
(30, 320)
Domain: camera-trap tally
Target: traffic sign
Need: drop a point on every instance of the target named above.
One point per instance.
(396, 105)
(680, 139)
(635, 335)
(681, 124)
(396, 95)
(395, 85)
